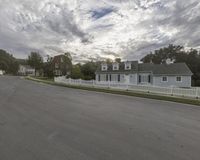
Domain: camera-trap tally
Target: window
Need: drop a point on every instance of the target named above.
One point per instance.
(61, 59)
(118, 77)
(127, 66)
(178, 79)
(115, 66)
(104, 67)
(144, 78)
(56, 65)
(164, 79)
(106, 77)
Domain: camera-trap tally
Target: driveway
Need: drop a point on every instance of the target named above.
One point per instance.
(44, 122)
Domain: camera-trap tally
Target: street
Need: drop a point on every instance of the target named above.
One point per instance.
(45, 122)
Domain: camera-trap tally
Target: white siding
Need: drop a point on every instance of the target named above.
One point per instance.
(171, 81)
(133, 79)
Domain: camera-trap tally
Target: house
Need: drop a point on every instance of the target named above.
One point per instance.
(2, 72)
(26, 70)
(132, 72)
(61, 65)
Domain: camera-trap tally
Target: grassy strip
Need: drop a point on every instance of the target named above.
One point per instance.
(122, 92)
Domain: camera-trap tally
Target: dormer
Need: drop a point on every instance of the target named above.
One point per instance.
(127, 65)
(104, 67)
(115, 66)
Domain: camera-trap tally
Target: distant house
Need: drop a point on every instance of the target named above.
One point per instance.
(61, 66)
(2, 72)
(26, 70)
(132, 72)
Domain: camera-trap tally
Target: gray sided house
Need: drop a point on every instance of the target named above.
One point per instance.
(132, 72)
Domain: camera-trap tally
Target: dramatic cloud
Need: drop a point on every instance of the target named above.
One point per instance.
(93, 29)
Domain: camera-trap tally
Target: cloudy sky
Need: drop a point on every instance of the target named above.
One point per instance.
(95, 29)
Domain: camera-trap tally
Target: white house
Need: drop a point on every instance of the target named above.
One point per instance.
(26, 70)
(2, 72)
(132, 72)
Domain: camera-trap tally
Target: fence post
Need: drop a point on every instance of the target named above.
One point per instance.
(93, 83)
(127, 86)
(172, 88)
(70, 80)
(197, 91)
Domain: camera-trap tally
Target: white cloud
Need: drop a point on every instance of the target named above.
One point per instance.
(95, 29)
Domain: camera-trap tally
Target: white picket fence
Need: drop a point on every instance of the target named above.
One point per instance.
(193, 92)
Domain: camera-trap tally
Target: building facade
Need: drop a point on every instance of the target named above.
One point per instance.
(61, 65)
(26, 70)
(132, 72)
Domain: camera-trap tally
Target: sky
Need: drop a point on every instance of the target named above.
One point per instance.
(97, 29)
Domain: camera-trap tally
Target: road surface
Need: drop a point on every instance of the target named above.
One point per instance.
(44, 122)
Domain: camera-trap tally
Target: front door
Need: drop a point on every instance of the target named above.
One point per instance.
(127, 78)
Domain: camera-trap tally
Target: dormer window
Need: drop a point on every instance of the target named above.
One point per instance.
(104, 67)
(115, 66)
(127, 65)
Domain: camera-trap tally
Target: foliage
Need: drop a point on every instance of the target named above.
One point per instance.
(8, 63)
(88, 70)
(118, 60)
(76, 72)
(35, 60)
(48, 67)
(177, 54)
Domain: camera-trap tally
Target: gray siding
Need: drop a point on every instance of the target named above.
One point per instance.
(171, 81)
(155, 80)
(132, 78)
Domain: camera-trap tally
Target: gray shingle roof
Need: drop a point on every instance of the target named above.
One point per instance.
(134, 68)
(165, 69)
(156, 69)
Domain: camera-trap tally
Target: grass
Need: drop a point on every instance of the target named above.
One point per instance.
(121, 92)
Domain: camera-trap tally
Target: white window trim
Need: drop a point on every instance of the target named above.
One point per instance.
(162, 79)
(180, 80)
(127, 64)
(104, 66)
(117, 67)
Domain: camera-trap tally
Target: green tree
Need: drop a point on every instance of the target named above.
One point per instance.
(48, 67)
(66, 64)
(118, 60)
(177, 54)
(76, 72)
(88, 70)
(35, 60)
(8, 63)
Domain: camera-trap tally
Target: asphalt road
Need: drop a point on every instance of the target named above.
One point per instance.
(44, 122)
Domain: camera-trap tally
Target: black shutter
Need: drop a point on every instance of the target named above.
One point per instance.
(99, 77)
(118, 77)
(106, 77)
(139, 78)
(149, 78)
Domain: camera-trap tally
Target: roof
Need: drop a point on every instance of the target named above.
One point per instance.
(134, 67)
(155, 69)
(26, 66)
(57, 59)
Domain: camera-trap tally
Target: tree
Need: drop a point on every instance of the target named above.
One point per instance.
(76, 72)
(35, 60)
(88, 70)
(48, 67)
(161, 55)
(177, 54)
(66, 64)
(118, 60)
(8, 63)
